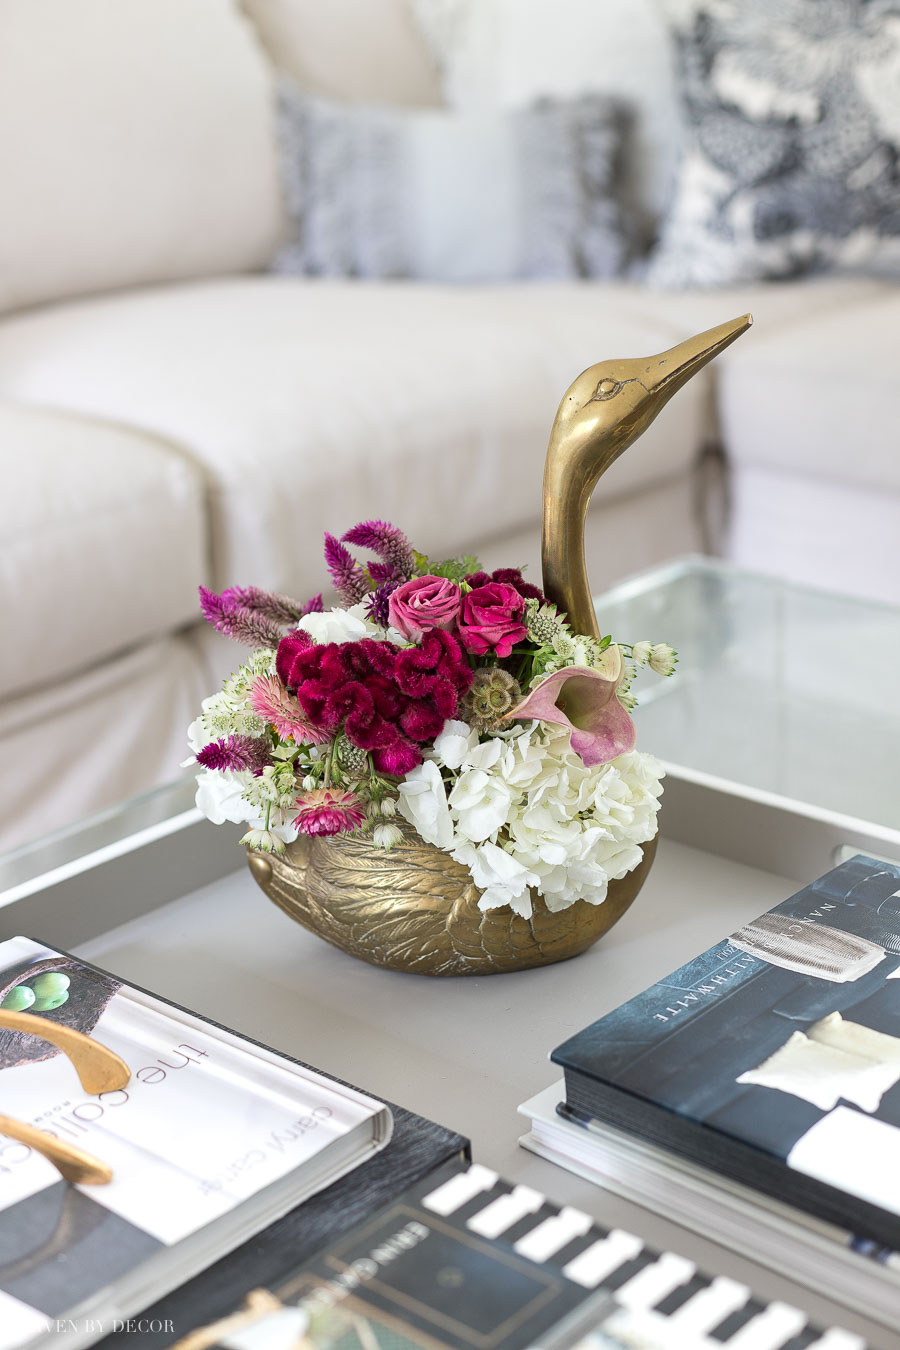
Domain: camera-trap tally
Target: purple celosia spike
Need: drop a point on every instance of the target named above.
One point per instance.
(380, 572)
(238, 622)
(236, 752)
(313, 606)
(377, 608)
(349, 579)
(387, 541)
(279, 608)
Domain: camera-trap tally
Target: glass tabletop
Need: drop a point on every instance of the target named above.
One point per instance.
(779, 687)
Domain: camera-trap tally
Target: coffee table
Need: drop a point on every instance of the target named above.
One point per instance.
(162, 898)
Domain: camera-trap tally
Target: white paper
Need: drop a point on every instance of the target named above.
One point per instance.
(854, 1152)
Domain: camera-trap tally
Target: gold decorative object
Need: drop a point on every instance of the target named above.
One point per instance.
(415, 909)
(258, 1304)
(72, 1163)
(606, 409)
(99, 1068)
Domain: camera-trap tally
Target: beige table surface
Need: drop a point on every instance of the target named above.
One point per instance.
(464, 1052)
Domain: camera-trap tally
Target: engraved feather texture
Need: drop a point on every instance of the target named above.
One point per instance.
(416, 909)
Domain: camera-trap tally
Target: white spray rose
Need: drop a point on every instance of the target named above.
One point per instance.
(339, 625)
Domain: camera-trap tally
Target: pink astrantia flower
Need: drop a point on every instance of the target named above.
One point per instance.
(328, 811)
(271, 700)
(584, 700)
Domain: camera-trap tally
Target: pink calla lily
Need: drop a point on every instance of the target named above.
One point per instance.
(584, 700)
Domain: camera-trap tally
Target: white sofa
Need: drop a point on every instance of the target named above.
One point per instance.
(170, 414)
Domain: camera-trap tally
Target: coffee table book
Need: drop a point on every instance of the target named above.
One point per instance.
(767, 1068)
(468, 1261)
(211, 1140)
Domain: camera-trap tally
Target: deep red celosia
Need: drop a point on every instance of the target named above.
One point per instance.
(289, 647)
(387, 700)
(508, 576)
(397, 759)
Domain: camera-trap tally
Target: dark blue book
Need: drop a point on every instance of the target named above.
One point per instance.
(773, 1058)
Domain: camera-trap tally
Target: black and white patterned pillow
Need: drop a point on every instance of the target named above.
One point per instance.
(793, 159)
(377, 191)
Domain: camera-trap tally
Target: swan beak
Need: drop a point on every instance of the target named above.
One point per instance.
(667, 372)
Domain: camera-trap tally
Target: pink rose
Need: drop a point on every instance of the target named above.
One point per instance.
(422, 604)
(489, 619)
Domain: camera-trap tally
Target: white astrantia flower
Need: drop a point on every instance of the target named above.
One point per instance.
(521, 810)
(264, 841)
(662, 658)
(386, 836)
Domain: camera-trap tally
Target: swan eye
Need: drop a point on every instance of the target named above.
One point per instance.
(606, 389)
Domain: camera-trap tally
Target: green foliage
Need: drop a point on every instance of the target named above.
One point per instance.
(454, 569)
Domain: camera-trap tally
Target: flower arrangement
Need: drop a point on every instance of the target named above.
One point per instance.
(460, 701)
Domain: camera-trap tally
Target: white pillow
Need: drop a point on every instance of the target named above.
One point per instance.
(367, 50)
(507, 53)
(136, 145)
(441, 196)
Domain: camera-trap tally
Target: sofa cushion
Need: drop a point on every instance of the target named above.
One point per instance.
(350, 49)
(818, 396)
(93, 740)
(312, 405)
(776, 306)
(136, 145)
(102, 543)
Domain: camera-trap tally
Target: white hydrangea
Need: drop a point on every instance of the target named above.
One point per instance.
(521, 810)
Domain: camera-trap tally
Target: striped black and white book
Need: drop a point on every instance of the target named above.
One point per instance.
(466, 1259)
(861, 1275)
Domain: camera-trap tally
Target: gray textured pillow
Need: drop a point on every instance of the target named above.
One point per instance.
(792, 165)
(442, 196)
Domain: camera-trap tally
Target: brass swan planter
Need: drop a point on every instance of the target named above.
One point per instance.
(415, 909)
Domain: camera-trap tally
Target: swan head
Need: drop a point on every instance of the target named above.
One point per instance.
(606, 408)
(613, 402)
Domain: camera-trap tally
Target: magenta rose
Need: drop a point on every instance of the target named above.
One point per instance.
(422, 604)
(489, 620)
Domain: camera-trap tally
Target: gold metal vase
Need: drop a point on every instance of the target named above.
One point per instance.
(415, 909)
